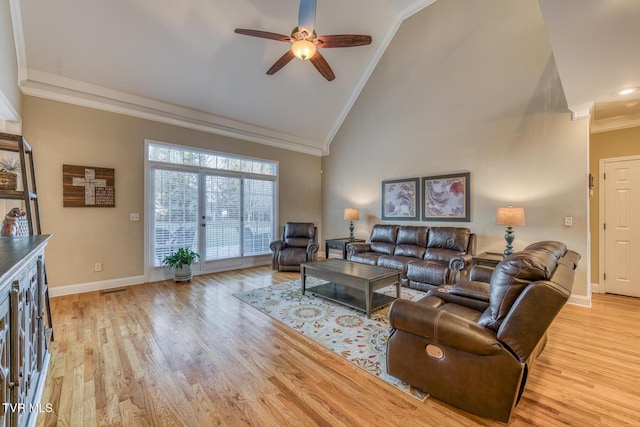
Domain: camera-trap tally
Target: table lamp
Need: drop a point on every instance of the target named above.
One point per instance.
(509, 216)
(351, 214)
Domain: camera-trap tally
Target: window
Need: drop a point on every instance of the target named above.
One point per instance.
(220, 205)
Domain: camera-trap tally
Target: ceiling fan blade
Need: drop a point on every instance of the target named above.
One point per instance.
(343, 40)
(284, 60)
(263, 34)
(307, 16)
(321, 65)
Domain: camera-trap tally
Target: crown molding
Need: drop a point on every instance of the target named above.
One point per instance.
(56, 88)
(61, 89)
(615, 123)
(581, 111)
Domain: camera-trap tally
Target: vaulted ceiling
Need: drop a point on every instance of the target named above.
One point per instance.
(180, 62)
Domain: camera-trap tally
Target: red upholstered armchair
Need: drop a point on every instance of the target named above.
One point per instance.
(299, 244)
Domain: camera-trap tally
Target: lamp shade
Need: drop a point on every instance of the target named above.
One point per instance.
(351, 214)
(510, 216)
(303, 49)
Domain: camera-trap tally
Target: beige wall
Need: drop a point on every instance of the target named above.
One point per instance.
(618, 143)
(468, 86)
(66, 134)
(8, 63)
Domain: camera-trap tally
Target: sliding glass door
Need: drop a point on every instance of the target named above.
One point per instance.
(222, 221)
(220, 206)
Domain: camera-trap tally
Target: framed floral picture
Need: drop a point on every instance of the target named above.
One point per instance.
(446, 197)
(401, 199)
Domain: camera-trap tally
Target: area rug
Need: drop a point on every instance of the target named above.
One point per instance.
(344, 331)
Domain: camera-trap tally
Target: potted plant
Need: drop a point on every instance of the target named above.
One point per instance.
(180, 260)
(9, 169)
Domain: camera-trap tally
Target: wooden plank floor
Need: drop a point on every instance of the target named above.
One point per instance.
(167, 354)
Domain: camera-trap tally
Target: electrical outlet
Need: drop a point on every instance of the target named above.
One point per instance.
(97, 266)
(568, 221)
(134, 217)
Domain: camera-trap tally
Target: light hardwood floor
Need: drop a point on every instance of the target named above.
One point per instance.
(193, 355)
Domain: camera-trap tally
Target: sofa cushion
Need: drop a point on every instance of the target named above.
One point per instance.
(396, 262)
(370, 258)
(411, 241)
(427, 271)
(383, 238)
(509, 279)
(298, 234)
(456, 238)
(440, 255)
(292, 256)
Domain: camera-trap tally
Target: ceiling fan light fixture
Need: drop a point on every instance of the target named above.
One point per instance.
(303, 49)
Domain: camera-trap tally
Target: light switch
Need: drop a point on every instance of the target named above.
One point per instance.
(134, 217)
(568, 221)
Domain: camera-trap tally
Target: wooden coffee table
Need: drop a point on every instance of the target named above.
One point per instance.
(351, 283)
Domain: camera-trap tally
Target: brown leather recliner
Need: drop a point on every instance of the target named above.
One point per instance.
(472, 344)
(299, 244)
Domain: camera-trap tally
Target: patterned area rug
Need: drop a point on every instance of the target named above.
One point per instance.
(344, 331)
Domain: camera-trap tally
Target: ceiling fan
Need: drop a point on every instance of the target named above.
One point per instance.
(304, 41)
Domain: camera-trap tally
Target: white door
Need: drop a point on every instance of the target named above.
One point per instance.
(622, 227)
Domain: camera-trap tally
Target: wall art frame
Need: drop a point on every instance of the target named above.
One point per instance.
(401, 199)
(446, 197)
(88, 186)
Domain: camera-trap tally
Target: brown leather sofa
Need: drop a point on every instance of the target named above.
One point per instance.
(473, 343)
(427, 256)
(299, 244)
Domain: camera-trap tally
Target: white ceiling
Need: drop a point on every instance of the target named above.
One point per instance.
(180, 62)
(595, 45)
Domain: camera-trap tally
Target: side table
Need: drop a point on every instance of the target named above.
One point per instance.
(339, 244)
(490, 259)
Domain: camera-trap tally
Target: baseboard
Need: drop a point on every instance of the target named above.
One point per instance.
(581, 300)
(58, 291)
(595, 288)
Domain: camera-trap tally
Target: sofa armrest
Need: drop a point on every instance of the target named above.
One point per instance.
(463, 299)
(312, 250)
(356, 248)
(471, 289)
(442, 327)
(276, 246)
(481, 273)
(460, 262)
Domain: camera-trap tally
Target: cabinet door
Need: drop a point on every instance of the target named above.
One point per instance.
(24, 319)
(4, 355)
(40, 336)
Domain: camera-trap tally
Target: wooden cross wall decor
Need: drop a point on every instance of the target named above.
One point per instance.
(86, 186)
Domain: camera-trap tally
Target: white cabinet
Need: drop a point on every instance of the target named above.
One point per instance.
(23, 337)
